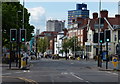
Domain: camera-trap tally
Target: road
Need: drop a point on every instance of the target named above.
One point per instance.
(64, 72)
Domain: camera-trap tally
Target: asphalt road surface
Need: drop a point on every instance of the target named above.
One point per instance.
(64, 72)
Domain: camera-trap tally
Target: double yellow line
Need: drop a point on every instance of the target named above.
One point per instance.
(22, 78)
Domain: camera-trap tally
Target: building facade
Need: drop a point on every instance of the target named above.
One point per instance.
(81, 11)
(55, 25)
(58, 43)
(110, 24)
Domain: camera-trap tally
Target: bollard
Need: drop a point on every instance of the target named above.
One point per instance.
(78, 58)
(23, 63)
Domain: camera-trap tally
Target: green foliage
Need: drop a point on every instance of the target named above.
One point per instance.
(42, 44)
(71, 44)
(12, 19)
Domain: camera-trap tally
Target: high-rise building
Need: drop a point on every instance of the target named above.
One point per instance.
(119, 7)
(81, 11)
(55, 25)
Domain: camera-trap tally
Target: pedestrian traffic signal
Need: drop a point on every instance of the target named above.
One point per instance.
(101, 38)
(107, 38)
(22, 35)
(13, 35)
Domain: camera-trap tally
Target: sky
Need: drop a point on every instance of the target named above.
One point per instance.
(43, 11)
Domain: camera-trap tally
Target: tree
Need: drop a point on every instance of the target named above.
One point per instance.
(71, 44)
(42, 44)
(13, 19)
(66, 46)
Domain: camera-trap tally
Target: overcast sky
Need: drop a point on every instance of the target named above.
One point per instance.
(43, 11)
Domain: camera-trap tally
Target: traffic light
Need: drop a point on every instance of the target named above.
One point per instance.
(118, 49)
(95, 38)
(13, 35)
(101, 38)
(107, 38)
(119, 35)
(22, 35)
(102, 20)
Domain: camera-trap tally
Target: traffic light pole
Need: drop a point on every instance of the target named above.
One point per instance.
(99, 64)
(19, 57)
(107, 55)
(100, 58)
(36, 46)
(10, 55)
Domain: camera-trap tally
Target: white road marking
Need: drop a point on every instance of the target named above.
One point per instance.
(87, 81)
(28, 70)
(6, 73)
(18, 72)
(24, 71)
(76, 76)
(112, 73)
(115, 73)
(64, 73)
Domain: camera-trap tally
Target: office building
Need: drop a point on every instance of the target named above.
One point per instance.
(81, 11)
(55, 25)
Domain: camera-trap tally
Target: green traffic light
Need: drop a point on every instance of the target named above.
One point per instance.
(100, 41)
(13, 39)
(23, 39)
(108, 40)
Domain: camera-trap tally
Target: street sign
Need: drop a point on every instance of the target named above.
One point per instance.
(115, 61)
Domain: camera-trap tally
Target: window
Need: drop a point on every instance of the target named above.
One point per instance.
(88, 48)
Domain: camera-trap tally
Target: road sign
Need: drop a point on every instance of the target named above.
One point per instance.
(115, 61)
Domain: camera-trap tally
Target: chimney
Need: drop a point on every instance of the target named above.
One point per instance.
(117, 16)
(95, 15)
(104, 13)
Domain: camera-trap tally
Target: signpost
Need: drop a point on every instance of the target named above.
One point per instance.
(115, 62)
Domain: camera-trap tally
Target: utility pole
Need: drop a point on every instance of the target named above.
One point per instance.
(99, 56)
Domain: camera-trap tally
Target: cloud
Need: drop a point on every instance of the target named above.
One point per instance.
(36, 13)
(37, 17)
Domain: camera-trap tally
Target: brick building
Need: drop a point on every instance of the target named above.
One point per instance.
(111, 24)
